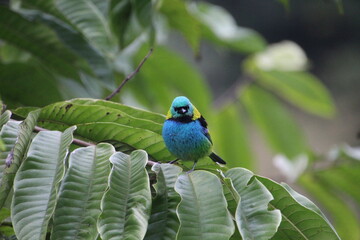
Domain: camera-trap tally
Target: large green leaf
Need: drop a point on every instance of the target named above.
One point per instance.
(252, 216)
(345, 219)
(181, 19)
(78, 111)
(16, 155)
(89, 20)
(163, 222)
(203, 210)
(299, 221)
(230, 138)
(18, 81)
(106, 121)
(40, 41)
(277, 125)
(135, 137)
(220, 27)
(132, 111)
(81, 191)
(164, 83)
(301, 88)
(36, 183)
(126, 205)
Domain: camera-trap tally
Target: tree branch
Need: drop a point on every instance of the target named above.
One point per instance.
(75, 141)
(85, 144)
(130, 76)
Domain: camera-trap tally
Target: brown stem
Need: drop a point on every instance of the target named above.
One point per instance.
(75, 140)
(130, 76)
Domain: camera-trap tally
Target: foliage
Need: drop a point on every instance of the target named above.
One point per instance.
(71, 49)
(83, 198)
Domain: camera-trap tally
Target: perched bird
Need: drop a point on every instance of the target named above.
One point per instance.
(185, 133)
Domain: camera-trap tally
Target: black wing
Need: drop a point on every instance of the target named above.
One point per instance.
(204, 125)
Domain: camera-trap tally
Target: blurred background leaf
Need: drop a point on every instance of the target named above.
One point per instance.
(279, 128)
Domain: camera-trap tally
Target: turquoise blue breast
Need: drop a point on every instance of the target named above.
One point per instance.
(186, 141)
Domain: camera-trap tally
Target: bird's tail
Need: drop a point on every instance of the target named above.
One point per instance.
(216, 158)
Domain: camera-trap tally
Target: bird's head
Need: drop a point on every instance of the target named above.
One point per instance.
(182, 107)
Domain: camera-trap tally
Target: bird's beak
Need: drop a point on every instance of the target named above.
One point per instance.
(182, 110)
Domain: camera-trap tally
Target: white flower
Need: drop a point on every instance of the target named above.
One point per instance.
(283, 56)
(291, 169)
(336, 152)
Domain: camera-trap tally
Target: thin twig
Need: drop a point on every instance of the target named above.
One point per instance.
(75, 140)
(85, 144)
(130, 76)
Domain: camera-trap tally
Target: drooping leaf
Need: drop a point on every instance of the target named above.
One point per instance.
(40, 41)
(344, 217)
(120, 12)
(163, 222)
(4, 118)
(81, 191)
(103, 6)
(276, 124)
(219, 26)
(144, 11)
(8, 134)
(16, 154)
(230, 138)
(79, 45)
(181, 19)
(89, 20)
(126, 205)
(18, 81)
(301, 88)
(36, 183)
(203, 210)
(130, 19)
(252, 216)
(45, 6)
(298, 220)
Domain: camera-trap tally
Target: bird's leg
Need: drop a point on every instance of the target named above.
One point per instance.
(174, 161)
(193, 167)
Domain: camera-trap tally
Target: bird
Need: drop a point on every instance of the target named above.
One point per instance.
(185, 133)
